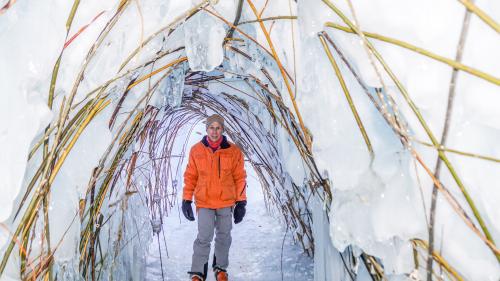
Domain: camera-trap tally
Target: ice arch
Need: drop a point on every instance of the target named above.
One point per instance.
(135, 115)
(111, 82)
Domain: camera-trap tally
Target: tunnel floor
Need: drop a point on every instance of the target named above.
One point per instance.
(256, 252)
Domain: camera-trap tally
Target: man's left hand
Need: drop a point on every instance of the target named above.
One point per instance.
(239, 211)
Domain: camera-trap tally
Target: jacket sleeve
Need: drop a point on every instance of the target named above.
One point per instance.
(240, 176)
(190, 178)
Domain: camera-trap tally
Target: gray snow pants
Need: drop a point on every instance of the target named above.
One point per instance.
(208, 219)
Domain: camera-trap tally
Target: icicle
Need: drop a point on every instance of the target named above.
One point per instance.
(203, 38)
(171, 88)
(176, 81)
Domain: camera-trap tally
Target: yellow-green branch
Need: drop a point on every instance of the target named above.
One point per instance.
(481, 14)
(450, 62)
(347, 95)
(423, 123)
(305, 133)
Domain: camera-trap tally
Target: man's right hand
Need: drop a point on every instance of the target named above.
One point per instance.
(187, 210)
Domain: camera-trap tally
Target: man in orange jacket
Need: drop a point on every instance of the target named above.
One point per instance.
(216, 176)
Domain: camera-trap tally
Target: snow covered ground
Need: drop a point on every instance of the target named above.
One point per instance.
(258, 252)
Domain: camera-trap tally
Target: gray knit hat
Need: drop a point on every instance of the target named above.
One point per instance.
(215, 118)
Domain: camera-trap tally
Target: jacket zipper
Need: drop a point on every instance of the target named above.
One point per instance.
(219, 166)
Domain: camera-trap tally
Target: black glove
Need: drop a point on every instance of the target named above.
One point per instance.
(239, 211)
(187, 210)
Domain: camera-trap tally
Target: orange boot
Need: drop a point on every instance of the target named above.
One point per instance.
(220, 274)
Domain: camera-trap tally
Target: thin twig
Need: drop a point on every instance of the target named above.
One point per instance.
(444, 138)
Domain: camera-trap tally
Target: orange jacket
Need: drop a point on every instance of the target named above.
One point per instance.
(217, 179)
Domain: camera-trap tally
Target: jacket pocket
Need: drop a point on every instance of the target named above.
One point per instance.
(201, 164)
(226, 178)
(228, 188)
(200, 192)
(228, 193)
(225, 164)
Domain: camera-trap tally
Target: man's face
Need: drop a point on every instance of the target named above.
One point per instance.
(214, 131)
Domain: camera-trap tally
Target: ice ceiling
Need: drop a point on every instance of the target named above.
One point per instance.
(374, 135)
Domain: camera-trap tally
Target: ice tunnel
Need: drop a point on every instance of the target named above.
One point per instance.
(373, 136)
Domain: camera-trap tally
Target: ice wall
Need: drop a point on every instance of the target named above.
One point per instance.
(32, 37)
(378, 205)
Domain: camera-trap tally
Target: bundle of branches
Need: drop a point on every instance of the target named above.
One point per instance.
(138, 169)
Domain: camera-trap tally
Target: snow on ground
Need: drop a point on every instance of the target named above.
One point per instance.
(255, 253)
